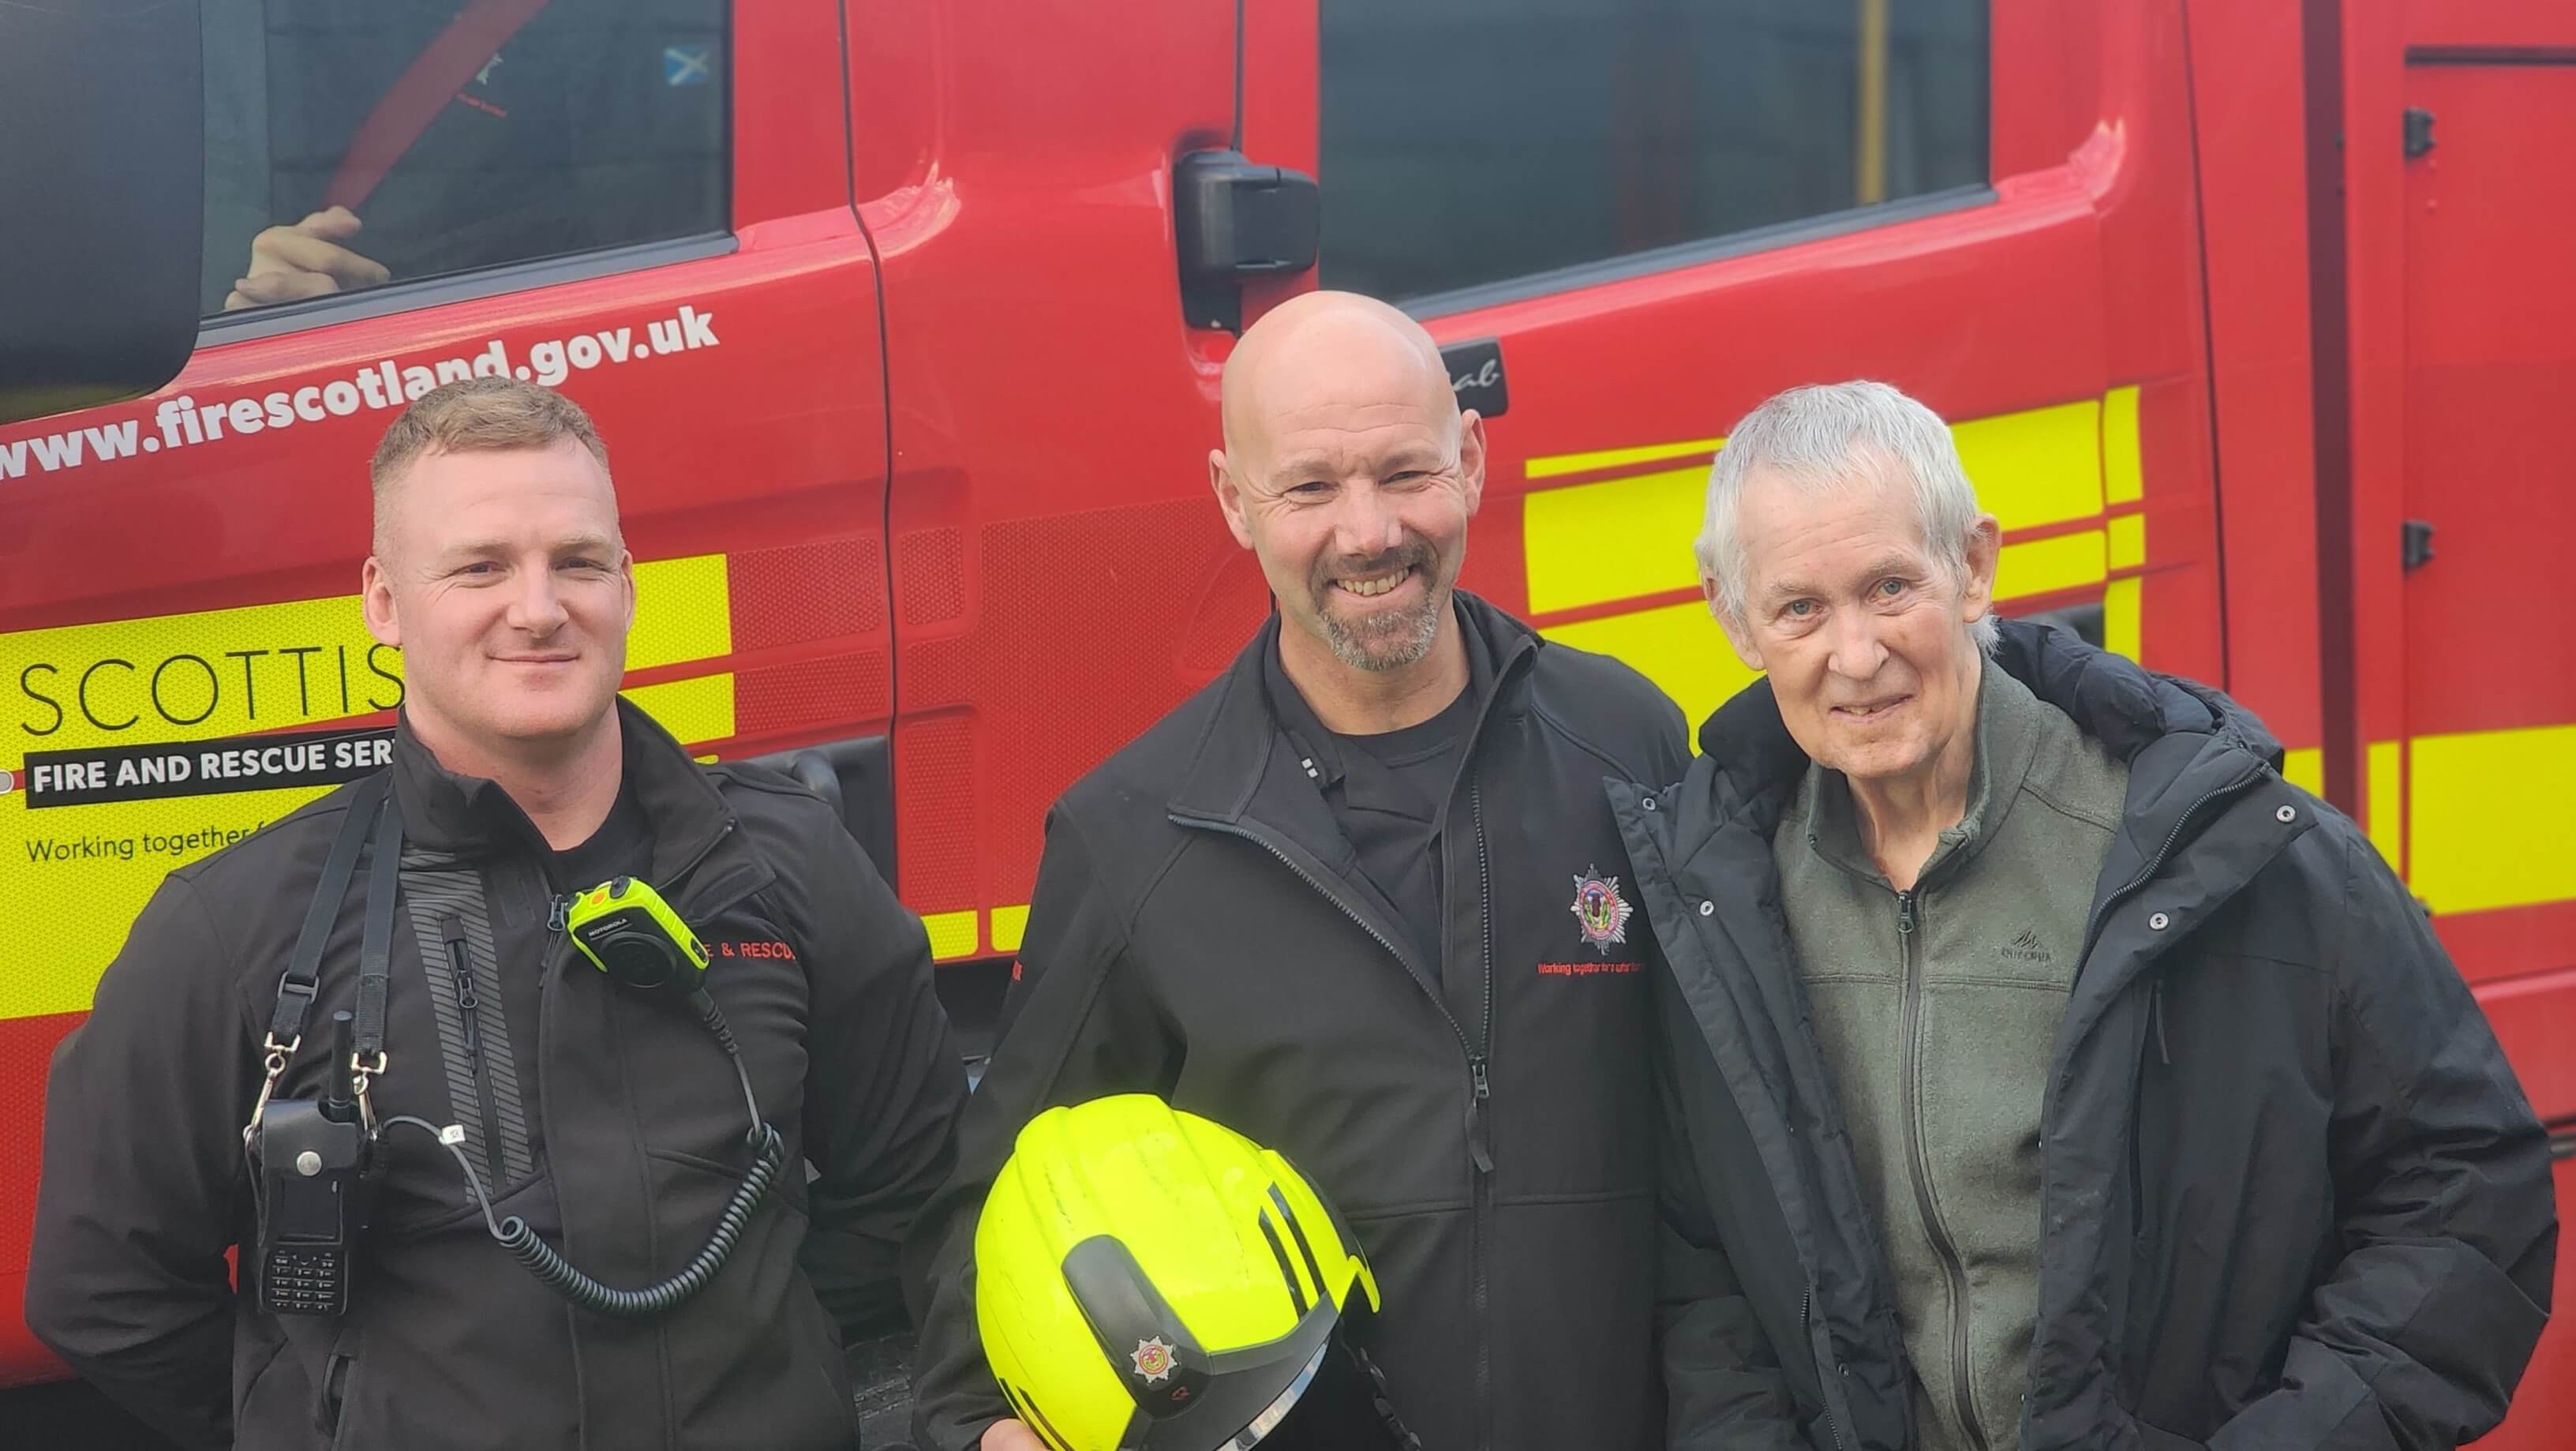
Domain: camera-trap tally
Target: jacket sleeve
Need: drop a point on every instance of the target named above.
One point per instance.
(2417, 1337)
(1723, 1389)
(1074, 1028)
(883, 1087)
(144, 1184)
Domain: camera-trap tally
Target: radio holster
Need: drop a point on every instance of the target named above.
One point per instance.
(310, 1158)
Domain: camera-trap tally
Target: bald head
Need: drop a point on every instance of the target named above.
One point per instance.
(1324, 350)
(1350, 471)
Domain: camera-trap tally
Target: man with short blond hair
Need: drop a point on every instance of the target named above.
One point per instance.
(515, 1082)
(479, 415)
(2047, 1074)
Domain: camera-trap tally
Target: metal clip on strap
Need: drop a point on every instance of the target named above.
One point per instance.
(375, 963)
(304, 969)
(296, 986)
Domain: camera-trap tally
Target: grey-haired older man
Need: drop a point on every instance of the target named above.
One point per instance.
(2043, 1070)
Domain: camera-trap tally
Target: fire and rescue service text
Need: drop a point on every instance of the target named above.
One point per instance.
(204, 768)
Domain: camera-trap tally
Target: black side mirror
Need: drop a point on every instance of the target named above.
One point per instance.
(103, 105)
(1238, 222)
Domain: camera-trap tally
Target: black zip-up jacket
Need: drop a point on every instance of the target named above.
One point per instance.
(1202, 930)
(2293, 1198)
(615, 1122)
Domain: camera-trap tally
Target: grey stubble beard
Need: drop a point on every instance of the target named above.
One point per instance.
(1388, 645)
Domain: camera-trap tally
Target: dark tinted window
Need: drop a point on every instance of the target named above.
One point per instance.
(1469, 141)
(459, 135)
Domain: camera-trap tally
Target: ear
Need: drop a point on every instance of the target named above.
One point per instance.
(1471, 457)
(1229, 496)
(376, 600)
(1736, 634)
(1977, 591)
(626, 574)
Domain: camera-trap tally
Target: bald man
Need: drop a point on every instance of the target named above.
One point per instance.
(1361, 899)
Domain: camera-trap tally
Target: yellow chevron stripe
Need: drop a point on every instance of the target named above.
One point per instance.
(2383, 812)
(1612, 541)
(2041, 466)
(2123, 475)
(1678, 647)
(2487, 815)
(952, 934)
(1611, 458)
(683, 611)
(1010, 924)
(1623, 538)
(2123, 621)
(2042, 565)
(2128, 535)
(2305, 768)
(694, 710)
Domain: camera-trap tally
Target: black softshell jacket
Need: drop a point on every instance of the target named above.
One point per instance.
(2293, 1198)
(615, 1122)
(1201, 930)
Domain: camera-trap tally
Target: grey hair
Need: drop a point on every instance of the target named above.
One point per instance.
(1824, 436)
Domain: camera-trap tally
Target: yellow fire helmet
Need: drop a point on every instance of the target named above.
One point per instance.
(1147, 1280)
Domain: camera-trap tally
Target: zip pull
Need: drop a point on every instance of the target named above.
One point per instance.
(1905, 913)
(460, 966)
(561, 914)
(1480, 1148)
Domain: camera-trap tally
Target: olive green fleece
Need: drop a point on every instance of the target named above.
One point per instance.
(1937, 1031)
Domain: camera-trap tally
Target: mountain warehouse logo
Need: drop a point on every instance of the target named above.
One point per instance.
(2028, 948)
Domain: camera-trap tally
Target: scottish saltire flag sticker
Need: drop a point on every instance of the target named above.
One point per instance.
(688, 65)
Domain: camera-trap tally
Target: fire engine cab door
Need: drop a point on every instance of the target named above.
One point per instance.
(2486, 767)
(2490, 364)
(1053, 541)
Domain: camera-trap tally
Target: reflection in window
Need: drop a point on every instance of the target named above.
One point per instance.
(1469, 141)
(441, 136)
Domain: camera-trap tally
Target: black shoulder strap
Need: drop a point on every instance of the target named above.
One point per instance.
(304, 969)
(375, 949)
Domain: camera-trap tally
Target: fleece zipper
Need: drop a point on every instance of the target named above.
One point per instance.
(1962, 1382)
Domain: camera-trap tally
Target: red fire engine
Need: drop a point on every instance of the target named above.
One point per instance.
(904, 322)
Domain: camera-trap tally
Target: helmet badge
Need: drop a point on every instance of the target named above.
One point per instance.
(1153, 1360)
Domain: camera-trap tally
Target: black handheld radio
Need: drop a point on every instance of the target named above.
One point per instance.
(310, 1157)
(313, 1161)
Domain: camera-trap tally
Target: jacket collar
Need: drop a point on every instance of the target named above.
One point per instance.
(1235, 751)
(471, 817)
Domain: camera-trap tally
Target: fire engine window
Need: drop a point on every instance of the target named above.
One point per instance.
(1471, 141)
(445, 136)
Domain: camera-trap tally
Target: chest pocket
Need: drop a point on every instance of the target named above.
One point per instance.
(756, 973)
(454, 928)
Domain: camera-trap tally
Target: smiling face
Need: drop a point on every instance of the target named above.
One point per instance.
(502, 577)
(1350, 473)
(1862, 629)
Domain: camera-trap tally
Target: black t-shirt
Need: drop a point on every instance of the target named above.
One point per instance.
(1394, 789)
(621, 847)
(1390, 792)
